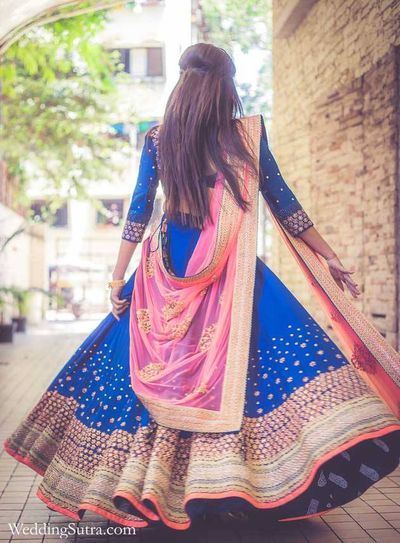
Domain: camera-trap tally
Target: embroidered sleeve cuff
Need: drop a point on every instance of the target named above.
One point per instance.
(297, 222)
(133, 231)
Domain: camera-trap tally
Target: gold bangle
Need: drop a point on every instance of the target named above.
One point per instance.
(116, 283)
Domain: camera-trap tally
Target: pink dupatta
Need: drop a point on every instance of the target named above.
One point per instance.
(190, 336)
(371, 355)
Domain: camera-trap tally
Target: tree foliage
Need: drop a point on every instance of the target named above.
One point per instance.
(245, 26)
(58, 93)
(240, 22)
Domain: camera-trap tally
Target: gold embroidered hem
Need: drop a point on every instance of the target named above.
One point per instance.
(266, 462)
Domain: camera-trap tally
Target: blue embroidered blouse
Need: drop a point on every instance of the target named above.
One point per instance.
(276, 192)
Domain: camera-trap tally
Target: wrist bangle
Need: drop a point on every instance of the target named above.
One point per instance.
(329, 257)
(116, 283)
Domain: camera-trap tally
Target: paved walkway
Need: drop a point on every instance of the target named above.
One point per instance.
(27, 368)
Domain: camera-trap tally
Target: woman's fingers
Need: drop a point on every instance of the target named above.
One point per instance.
(116, 300)
(121, 308)
(338, 282)
(120, 303)
(117, 311)
(343, 270)
(349, 281)
(339, 266)
(342, 277)
(353, 288)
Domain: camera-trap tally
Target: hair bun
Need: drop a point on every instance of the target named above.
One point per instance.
(220, 71)
(204, 59)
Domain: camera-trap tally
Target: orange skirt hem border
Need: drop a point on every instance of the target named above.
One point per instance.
(136, 503)
(299, 490)
(22, 459)
(205, 495)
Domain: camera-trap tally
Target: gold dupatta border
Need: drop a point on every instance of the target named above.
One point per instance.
(229, 416)
(227, 219)
(344, 311)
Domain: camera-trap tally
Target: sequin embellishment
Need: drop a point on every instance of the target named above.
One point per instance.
(297, 222)
(172, 308)
(143, 317)
(151, 370)
(206, 338)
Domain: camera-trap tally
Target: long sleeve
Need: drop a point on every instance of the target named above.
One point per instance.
(278, 195)
(142, 202)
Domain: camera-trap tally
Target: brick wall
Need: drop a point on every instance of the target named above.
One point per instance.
(335, 136)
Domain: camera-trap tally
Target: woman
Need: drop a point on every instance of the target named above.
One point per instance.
(209, 388)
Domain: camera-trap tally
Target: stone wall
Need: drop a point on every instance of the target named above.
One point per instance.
(335, 137)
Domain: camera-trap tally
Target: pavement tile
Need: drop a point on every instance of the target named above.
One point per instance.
(393, 508)
(385, 536)
(395, 523)
(371, 521)
(362, 507)
(350, 539)
(393, 515)
(18, 506)
(344, 529)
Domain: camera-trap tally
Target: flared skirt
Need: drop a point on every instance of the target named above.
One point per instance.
(314, 436)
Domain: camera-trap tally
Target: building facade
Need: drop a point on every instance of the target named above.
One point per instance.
(82, 244)
(335, 134)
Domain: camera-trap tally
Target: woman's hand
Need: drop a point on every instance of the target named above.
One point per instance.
(342, 276)
(339, 273)
(118, 305)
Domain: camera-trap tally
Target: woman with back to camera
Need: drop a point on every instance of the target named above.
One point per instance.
(209, 388)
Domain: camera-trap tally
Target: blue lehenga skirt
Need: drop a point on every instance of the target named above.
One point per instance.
(313, 437)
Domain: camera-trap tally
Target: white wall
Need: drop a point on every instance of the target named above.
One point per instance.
(168, 25)
(14, 260)
(18, 266)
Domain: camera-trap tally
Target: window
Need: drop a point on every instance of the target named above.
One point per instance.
(146, 62)
(61, 216)
(142, 62)
(125, 59)
(42, 213)
(154, 61)
(113, 212)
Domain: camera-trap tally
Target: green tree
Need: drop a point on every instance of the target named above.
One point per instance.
(244, 26)
(59, 98)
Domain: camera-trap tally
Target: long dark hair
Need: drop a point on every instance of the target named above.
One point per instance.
(199, 128)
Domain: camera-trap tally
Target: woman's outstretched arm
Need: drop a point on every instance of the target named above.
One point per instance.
(294, 218)
(340, 274)
(138, 216)
(125, 252)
